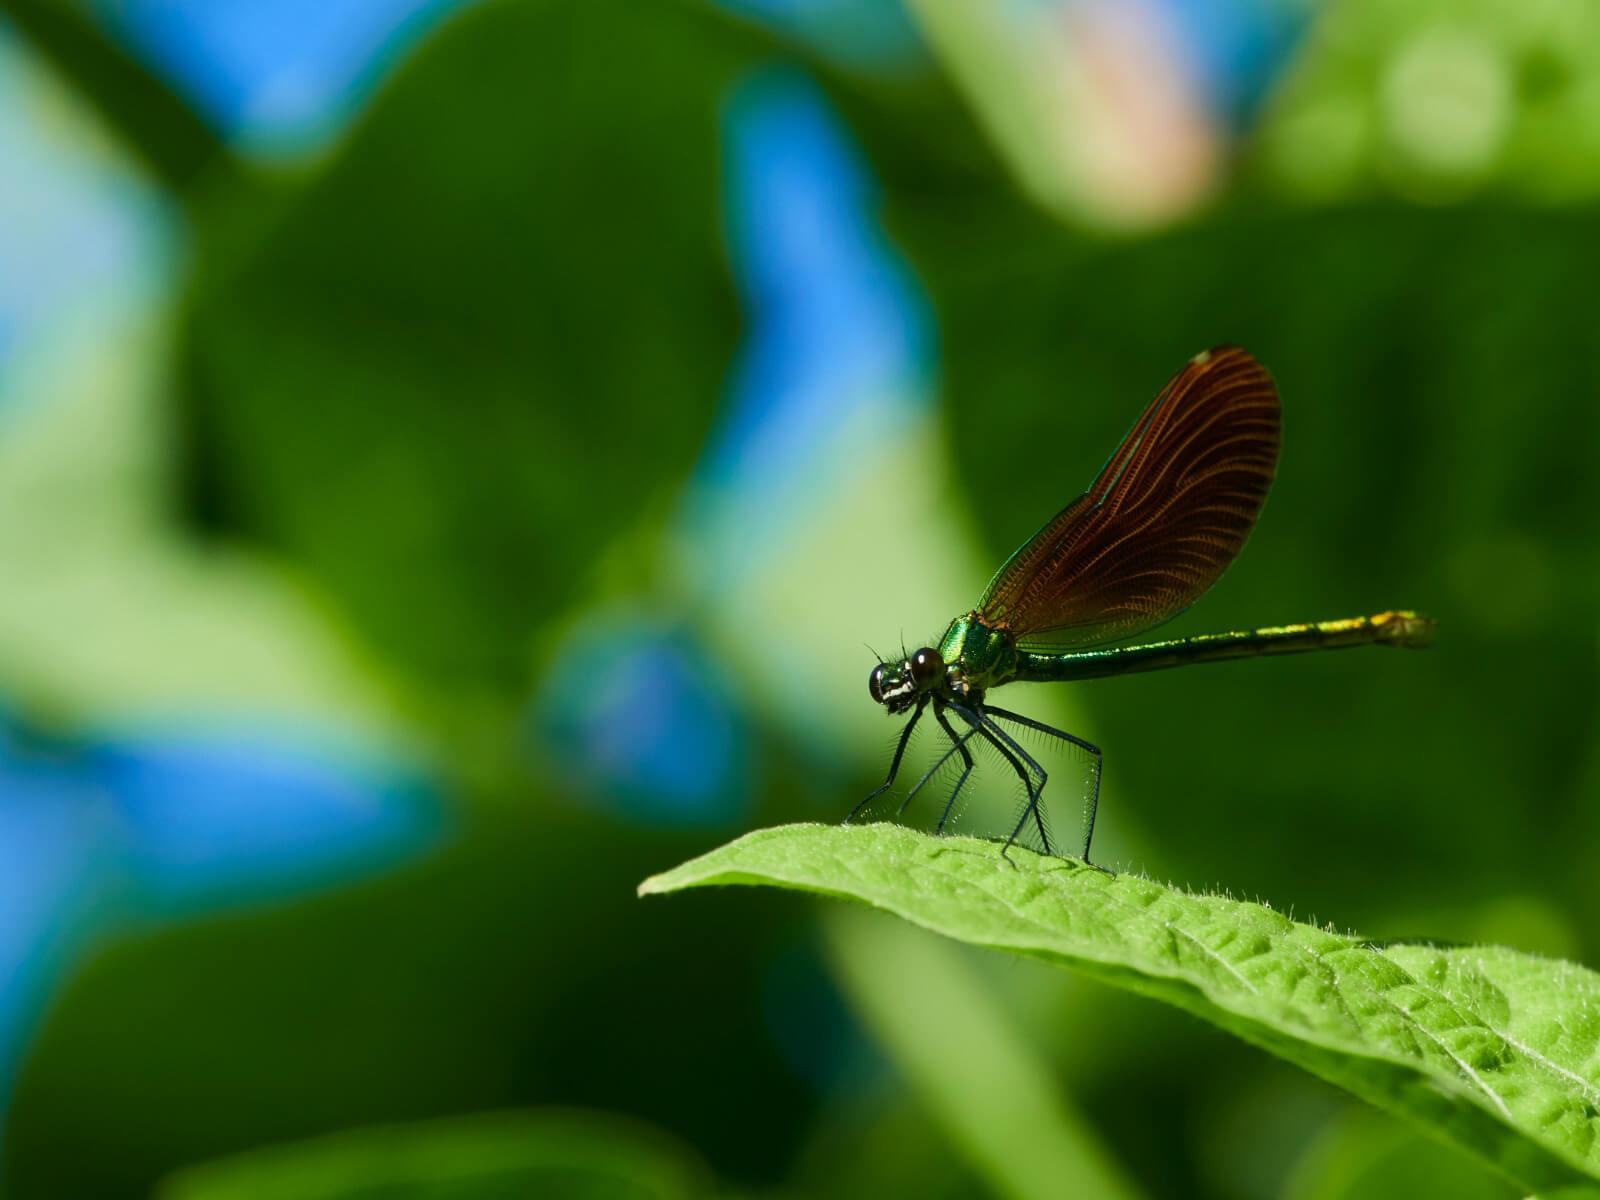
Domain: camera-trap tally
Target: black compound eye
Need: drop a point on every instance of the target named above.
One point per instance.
(875, 683)
(927, 666)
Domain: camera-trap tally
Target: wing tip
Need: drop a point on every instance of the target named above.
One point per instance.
(1222, 350)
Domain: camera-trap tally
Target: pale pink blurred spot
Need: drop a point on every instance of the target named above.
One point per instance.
(1092, 103)
(1133, 126)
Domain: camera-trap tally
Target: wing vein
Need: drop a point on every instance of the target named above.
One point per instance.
(1161, 522)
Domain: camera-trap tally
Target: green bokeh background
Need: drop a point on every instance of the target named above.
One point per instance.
(401, 372)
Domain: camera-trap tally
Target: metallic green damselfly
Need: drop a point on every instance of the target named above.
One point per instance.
(1165, 517)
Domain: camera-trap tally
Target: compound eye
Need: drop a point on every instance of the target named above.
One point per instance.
(927, 667)
(875, 683)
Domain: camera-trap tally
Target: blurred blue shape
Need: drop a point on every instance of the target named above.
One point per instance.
(93, 838)
(273, 75)
(56, 830)
(640, 718)
(282, 76)
(1238, 48)
(837, 357)
(836, 322)
(213, 817)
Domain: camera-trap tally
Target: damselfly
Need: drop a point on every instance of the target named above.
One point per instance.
(1165, 517)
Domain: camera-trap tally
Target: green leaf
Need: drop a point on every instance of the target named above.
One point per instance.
(549, 1152)
(216, 630)
(443, 370)
(1495, 1050)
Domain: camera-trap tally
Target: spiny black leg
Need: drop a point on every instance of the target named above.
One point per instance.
(974, 718)
(956, 744)
(966, 758)
(997, 736)
(1033, 803)
(983, 726)
(1094, 794)
(992, 711)
(894, 763)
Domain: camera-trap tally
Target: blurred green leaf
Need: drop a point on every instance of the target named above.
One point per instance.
(1435, 103)
(220, 630)
(1367, 1155)
(444, 370)
(550, 1152)
(1489, 1048)
(503, 972)
(990, 1092)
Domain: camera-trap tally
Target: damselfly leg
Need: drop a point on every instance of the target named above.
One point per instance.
(894, 763)
(1093, 804)
(1033, 776)
(960, 743)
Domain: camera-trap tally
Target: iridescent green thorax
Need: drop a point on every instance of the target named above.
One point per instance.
(986, 656)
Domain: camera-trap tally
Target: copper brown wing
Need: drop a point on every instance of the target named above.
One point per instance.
(1162, 521)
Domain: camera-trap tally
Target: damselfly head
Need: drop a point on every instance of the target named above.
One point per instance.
(896, 686)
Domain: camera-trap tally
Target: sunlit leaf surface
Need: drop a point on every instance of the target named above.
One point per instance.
(1493, 1049)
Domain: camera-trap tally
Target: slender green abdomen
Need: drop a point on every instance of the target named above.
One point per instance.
(1406, 629)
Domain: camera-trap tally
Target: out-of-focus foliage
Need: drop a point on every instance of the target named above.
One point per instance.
(1029, 1135)
(506, 969)
(585, 1155)
(1439, 102)
(533, 318)
(437, 389)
